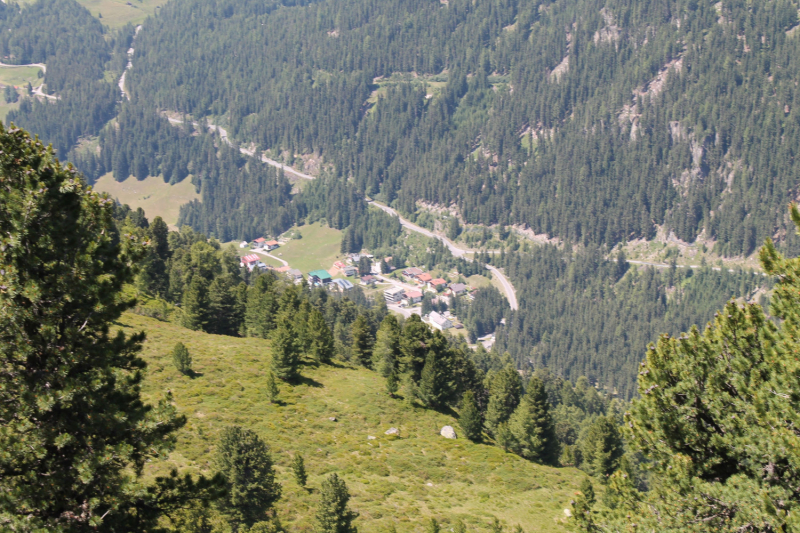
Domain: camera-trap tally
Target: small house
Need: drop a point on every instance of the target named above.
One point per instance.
(437, 284)
(244, 244)
(457, 289)
(413, 297)
(369, 280)
(259, 243)
(349, 270)
(271, 245)
(294, 274)
(439, 321)
(412, 272)
(424, 278)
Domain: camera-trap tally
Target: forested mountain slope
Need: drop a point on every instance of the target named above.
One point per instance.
(587, 120)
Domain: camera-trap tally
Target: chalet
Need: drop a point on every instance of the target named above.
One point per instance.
(271, 245)
(319, 277)
(369, 280)
(412, 272)
(437, 284)
(349, 270)
(259, 243)
(343, 285)
(439, 322)
(413, 297)
(394, 295)
(424, 278)
(457, 289)
(249, 261)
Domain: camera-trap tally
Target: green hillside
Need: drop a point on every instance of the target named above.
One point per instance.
(401, 481)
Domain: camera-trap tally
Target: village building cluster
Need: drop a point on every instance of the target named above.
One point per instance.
(356, 266)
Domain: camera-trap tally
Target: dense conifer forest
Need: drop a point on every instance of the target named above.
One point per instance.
(590, 121)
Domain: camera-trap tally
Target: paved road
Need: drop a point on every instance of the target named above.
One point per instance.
(276, 258)
(223, 133)
(508, 288)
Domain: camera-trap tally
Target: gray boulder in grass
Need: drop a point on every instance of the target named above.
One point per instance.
(448, 432)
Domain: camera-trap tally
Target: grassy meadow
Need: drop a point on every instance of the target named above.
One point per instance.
(401, 481)
(319, 248)
(117, 13)
(156, 197)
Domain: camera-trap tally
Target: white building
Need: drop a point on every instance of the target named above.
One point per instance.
(394, 295)
(439, 322)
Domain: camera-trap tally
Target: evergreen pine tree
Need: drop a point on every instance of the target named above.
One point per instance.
(182, 359)
(505, 391)
(469, 418)
(386, 352)
(285, 354)
(435, 384)
(602, 447)
(392, 384)
(362, 341)
(333, 515)
(271, 387)
(414, 347)
(533, 433)
(245, 462)
(322, 343)
(75, 432)
(299, 470)
(582, 507)
(221, 308)
(195, 304)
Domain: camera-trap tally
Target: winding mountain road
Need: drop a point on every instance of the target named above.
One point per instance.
(508, 288)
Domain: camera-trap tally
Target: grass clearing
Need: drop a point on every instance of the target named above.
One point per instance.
(156, 197)
(319, 248)
(401, 481)
(117, 13)
(20, 76)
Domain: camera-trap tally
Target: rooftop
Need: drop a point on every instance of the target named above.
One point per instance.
(321, 274)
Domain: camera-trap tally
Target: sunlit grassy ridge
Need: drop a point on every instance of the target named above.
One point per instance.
(393, 481)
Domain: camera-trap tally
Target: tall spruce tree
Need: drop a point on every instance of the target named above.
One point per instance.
(285, 361)
(244, 460)
(602, 447)
(75, 434)
(386, 352)
(195, 304)
(532, 429)
(334, 515)
(505, 392)
(362, 341)
(322, 343)
(469, 418)
(436, 385)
